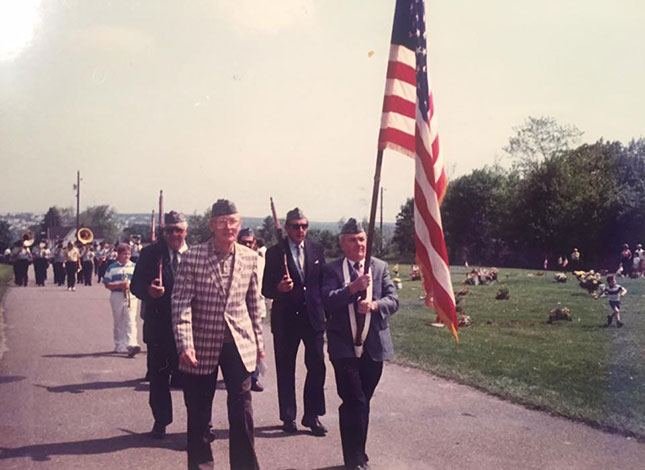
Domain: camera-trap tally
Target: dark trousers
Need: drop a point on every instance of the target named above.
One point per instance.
(59, 273)
(199, 391)
(162, 362)
(40, 270)
(88, 266)
(70, 269)
(356, 380)
(21, 271)
(286, 340)
(102, 268)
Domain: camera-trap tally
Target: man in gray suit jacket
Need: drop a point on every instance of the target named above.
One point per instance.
(358, 364)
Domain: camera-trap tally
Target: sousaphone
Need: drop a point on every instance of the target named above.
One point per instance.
(85, 235)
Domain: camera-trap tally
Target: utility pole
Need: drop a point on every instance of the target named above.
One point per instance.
(77, 186)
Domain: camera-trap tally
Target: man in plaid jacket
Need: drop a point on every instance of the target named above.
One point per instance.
(216, 322)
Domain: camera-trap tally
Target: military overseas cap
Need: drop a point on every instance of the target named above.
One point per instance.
(174, 217)
(246, 232)
(223, 207)
(295, 214)
(351, 227)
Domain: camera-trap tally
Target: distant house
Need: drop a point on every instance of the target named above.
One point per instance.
(68, 234)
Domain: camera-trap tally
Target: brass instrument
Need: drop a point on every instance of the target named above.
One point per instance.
(27, 238)
(85, 235)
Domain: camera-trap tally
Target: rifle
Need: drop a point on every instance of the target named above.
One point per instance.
(153, 235)
(281, 240)
(160, 264)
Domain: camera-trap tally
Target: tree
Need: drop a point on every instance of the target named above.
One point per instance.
(101, 217)
(327, 239)
(6, 237)
(56, 217)
(403, 238)
(267, 231)
(474, 213)
(539, 139)
(198, 229)
(51, 219)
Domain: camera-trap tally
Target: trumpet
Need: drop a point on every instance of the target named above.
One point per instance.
(85, 235)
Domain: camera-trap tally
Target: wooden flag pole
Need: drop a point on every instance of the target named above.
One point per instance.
(360, 319)
(377, 184)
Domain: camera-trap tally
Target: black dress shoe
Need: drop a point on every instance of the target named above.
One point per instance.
(315, 425)
(133, 351)
(158, 431)
(256, 386)
(289, 426)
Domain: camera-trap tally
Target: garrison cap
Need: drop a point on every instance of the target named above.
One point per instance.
(223, 207)
(351, 227)
(295, 214)
(174, 217)
(246, 232)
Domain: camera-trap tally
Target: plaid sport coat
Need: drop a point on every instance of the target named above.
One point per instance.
(201, 309)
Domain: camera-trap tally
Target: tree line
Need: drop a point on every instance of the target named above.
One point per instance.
(556, 196)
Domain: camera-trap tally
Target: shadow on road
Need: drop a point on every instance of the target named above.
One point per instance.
(7, 379)
(82, 355)
(44, 452)
(136, 384)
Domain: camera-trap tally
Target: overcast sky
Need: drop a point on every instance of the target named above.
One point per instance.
(248, 99)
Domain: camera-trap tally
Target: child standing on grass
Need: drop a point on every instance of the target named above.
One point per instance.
(615, 291)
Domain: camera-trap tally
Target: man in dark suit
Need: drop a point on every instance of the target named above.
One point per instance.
(297, 315)
(358, 364)
(157, 322)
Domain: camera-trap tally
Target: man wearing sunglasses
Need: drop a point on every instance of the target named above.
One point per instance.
(157, 323)
(297, 315)
(216, 320)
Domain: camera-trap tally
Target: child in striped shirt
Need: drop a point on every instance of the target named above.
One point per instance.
(615, 291)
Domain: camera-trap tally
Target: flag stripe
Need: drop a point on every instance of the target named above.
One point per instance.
(394, 87)
(401, 71)
(399, 105)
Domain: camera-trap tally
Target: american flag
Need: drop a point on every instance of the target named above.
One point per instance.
(409, 126)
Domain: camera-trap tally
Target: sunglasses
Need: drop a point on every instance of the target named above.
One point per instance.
(299, 226)
(248, 243)
(171, 230)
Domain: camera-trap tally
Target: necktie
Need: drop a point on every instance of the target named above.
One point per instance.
(299, 263)
(175, 261)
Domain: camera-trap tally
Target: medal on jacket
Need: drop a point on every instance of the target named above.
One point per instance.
(358, 349)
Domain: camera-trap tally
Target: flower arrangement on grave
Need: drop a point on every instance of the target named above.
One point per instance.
(560, 277)
(559, 313)
(503, 293)
(481, 276)
(591, 281)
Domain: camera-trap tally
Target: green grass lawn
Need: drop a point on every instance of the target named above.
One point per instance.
(580, 369)
(6, 273)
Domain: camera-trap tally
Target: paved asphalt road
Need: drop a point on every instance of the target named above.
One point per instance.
(67, 402)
